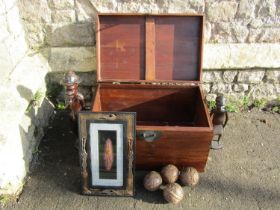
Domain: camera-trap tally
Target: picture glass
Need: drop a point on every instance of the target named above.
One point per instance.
(106, 143)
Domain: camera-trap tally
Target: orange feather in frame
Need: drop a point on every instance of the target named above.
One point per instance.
(108, 155)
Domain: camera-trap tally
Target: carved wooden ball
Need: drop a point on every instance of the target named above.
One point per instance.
(152, 181)
(189, 176)
(170, 174)
(173, 193)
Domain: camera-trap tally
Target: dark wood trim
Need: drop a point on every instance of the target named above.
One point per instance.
(205, 108)
(110, 81)
(201, 49)
(96, 103)
(98, 67)
(174, 128)
(128, 120)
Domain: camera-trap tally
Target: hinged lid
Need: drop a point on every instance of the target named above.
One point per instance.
(135, 48)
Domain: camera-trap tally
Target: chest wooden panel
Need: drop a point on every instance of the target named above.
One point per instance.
(151, 65)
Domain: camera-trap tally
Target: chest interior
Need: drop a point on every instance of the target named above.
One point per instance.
(137, 50)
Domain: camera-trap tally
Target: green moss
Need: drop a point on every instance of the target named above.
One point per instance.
(276, 109)
(36, 100)
(246, 101)
(211, 104)
(61, 106)
(260, 103)
(232, 107)
(4, 199)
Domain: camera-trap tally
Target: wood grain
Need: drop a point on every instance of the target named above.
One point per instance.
(165, 48)
(178, 112)
(150, 48)
(122, 47)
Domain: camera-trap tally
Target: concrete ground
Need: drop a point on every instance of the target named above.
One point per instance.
(245, 174)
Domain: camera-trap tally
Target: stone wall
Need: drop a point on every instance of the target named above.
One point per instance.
(24, 110)
(241, 38)
(42, 39)
(256, 84)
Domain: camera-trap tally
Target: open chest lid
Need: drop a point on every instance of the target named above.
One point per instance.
(149, 48)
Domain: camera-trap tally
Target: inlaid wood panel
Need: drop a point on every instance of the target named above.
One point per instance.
(122, 47)
(149, 47)
(177, 53)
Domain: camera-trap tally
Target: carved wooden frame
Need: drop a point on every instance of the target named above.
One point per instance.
(128, 120)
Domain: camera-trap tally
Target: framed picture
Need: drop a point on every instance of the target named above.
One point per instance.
(107, 152)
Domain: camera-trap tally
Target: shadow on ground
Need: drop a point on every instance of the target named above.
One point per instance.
(244, 175)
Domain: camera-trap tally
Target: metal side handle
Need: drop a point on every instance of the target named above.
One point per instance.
(149, 136)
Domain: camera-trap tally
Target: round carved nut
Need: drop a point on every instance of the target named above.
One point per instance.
(152, 181)
(189, 176)
(170, 174)
(173, 193)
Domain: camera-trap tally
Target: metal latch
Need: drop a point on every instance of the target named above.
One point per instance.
(148, 136)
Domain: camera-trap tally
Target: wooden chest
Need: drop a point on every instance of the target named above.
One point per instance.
(152, 65)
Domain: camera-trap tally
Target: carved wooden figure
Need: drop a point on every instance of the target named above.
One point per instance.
(219, 119)
(74, 99)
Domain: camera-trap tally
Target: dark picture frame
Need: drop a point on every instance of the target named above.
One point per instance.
(107, 153)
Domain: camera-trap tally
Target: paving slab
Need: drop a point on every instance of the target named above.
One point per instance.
(243, 175)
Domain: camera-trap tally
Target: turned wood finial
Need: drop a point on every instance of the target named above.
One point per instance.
(74, 99)
(219, 120)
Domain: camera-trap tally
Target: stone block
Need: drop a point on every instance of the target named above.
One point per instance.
(212, 76)
(17, 49)
(256, 23)
(263, 91)
(62, 16)
(230, 32)
(61, 4)
(13, 19)
(206, 87)
(246, 9)
(240, 87)
(273, 76)
(251, 76)
(266, 8)
(270, 35)
(35, 11)
(192, 6)
(222, 33)
(23, 76)
(229, 76)
(6, 63)
(87, 78)
(221, 88)
(16, 151)
(109, 6)
(35, 35)
(277, 89)
(80, 34)
(221, 11)
(241, 56)
(85, 11)
(4, 33)
(81, 59)
(207, 32)
(240, 32)
(211, 97)
(10, 4)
